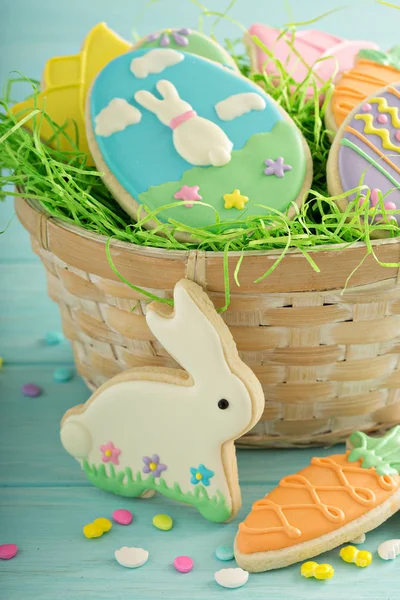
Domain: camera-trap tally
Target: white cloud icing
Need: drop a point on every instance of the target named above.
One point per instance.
(115, 117)
(155, 61)
(238, 105)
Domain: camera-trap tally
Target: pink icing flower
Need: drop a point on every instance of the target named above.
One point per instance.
(110, 453)
(373, 201)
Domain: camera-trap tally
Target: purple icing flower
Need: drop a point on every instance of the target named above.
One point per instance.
(179, 35)
(276, 167)
(152, 465)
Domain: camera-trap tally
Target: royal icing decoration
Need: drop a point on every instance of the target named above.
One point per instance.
(173, 430)
(276, 167)
(332, 495)
(190, 41)
(373, 71)
(118, 115)
(188, 194)
(368, 151)
(326, 55)
(155, 61)
(382, 453)
(239, 104)
(66, 82)
(202, 126)
(235, 200)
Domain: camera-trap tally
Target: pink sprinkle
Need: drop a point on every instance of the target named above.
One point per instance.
(31, 390)
(366, 107)
(122, 516)
(397, 135)
(183, 564)
(390, 206)
(8, 551)
(382, 119)
(374, 198)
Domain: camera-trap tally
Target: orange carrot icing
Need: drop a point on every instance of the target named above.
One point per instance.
(319, 499)
(359, 83)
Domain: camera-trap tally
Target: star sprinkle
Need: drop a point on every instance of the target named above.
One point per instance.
(235, 200)
(188, 194)
(276, 167)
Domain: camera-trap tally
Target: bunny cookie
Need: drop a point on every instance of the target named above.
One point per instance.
(169, 430)
(193, 141)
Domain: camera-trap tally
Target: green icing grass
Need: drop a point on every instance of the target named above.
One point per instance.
(125, 484)
(61, 184)
(214, 182)
(382, 453)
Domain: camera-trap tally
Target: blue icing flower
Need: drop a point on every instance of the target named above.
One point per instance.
(142, 154)
(201, 475)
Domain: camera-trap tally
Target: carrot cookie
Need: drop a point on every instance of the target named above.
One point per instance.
(322, 53)
(373, 70)
(330, 502)
(367, 150)
(193, 141)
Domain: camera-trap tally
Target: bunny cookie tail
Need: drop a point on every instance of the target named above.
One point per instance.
(76, 439)
(219, 156)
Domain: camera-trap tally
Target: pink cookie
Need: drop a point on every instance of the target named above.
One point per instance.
(311, 45)
(8, 551)
(122, 516)
(183, 564)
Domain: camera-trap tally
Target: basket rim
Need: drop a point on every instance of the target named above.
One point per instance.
(150, 250)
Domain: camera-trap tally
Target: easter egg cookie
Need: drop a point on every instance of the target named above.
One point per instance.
(172, 430)
(171, 128)
(329, 503)
(300, 52)
(373, 71)
(65, 84)
(366, 151)
(190, 41)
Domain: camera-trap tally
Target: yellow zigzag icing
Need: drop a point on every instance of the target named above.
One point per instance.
(383, 107)
(382, 133)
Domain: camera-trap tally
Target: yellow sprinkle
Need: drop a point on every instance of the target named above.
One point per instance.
(235, 200)
(104, 524)
(92, 531)
(163, 522)
(351, 554)
(313, 569)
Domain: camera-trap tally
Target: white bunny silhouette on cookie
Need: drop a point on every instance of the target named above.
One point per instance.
(170, 430)
(199, 141)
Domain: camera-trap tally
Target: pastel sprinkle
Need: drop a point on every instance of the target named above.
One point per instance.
(122, 516)
(131, 557)
(53, 338)
(104, 524)
(231, 578)
(163, 522)
(8, 551)
(91, 530)
(382, 119)
(183, 564)
(397, 135)
(31, 390)
(366, 107)
(389, 550)
(224, 553)
(63, 374)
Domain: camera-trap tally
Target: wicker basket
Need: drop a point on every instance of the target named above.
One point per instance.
(328, 362)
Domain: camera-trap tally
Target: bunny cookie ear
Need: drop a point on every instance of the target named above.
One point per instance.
(194, 334)
(167, 89)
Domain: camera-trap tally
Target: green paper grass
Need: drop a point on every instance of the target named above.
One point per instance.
(61, 184)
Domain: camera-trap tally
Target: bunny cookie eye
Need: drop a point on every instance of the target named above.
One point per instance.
(223, 404)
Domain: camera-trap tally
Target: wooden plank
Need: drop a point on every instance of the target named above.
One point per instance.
(47, 523)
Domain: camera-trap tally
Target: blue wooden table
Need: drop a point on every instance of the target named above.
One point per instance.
(44, 498)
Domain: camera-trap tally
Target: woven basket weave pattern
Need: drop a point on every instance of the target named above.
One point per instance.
(328, 362)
